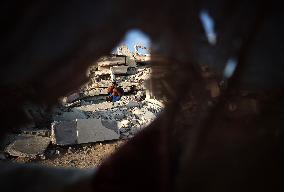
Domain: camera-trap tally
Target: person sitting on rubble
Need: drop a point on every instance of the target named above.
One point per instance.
(114, 92)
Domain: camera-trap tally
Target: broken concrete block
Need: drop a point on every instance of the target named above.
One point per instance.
(92, 130)
(28, 146)
(83, 131)
(64, 133)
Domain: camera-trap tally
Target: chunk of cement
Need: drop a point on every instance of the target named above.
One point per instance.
(83, 131)
(64, 133)
(28, 146)
(92, 130)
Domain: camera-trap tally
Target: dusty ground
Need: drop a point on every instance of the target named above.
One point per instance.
(83, 156)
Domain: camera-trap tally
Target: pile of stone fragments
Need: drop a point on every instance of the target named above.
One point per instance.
(86, 117)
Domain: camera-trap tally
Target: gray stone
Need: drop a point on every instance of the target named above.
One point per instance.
(64, 133)
(131, 104)
(28, 146)
(92, 130)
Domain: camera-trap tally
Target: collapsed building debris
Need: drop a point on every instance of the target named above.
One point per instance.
(85, 117)
(127, 116)
(135, 110)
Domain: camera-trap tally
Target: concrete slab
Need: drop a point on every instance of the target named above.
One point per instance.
(92, 130)
(64, 133)
(28, 146)
(84, 131)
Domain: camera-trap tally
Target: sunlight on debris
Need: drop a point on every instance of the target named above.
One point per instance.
(134, 110)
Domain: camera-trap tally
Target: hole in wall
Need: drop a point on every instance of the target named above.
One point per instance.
(111, 108)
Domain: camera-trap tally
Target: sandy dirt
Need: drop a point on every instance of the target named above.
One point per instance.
(82, 156)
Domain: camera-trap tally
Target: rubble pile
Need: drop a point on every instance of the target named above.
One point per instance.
(132, 113)
(85, 116)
